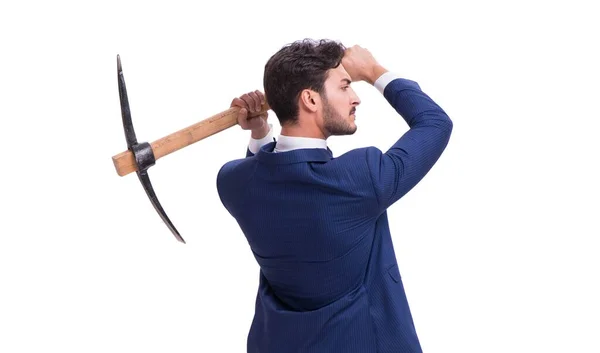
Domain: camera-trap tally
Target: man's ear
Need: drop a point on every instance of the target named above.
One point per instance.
(310, 100)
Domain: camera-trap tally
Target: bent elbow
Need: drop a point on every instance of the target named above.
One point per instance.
(449, 125)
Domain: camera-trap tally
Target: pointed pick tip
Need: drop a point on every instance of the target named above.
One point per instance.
(119, 68)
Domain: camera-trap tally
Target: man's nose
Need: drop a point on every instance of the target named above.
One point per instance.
(355, 100)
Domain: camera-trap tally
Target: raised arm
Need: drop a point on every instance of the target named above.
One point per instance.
(399, 169)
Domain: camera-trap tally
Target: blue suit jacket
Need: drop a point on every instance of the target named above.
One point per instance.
(318, 228)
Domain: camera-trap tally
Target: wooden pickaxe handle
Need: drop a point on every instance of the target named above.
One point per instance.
(125, 163)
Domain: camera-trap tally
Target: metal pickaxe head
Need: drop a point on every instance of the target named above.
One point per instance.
(142, 153)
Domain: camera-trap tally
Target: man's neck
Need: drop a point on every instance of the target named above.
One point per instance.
(302, 131)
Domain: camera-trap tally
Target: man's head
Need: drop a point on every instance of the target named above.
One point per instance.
(309, 90)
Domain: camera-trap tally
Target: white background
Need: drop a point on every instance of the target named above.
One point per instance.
(497, 246)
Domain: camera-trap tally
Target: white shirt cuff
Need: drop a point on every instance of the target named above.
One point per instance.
(255, 145)
(384, 80)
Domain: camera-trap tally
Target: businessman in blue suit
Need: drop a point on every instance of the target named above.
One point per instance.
(317, 224)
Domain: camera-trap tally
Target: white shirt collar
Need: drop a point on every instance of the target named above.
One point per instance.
(289, 143)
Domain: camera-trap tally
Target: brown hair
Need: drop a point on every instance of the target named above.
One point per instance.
(297, 66)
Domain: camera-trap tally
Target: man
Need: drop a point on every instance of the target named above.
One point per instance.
(317, 225)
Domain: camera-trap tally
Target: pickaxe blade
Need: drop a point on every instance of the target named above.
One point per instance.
(142, 153)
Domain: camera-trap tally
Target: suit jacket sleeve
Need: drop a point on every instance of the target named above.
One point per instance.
(399, 169)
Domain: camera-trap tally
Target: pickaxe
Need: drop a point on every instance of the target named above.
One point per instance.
(141, 156)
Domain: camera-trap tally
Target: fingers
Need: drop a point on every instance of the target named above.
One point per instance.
(253, 100)
(250, 103)
(261, 95)
(253, 122)
(236, 102)
(242, 118)
(359, 63)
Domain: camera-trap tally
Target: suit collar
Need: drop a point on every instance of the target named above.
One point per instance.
(267, 155)
(289, 143)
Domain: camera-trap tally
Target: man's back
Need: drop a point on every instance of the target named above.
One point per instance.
(317, 226)
(308, 221)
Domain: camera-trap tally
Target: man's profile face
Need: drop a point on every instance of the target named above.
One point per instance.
(339, 103)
